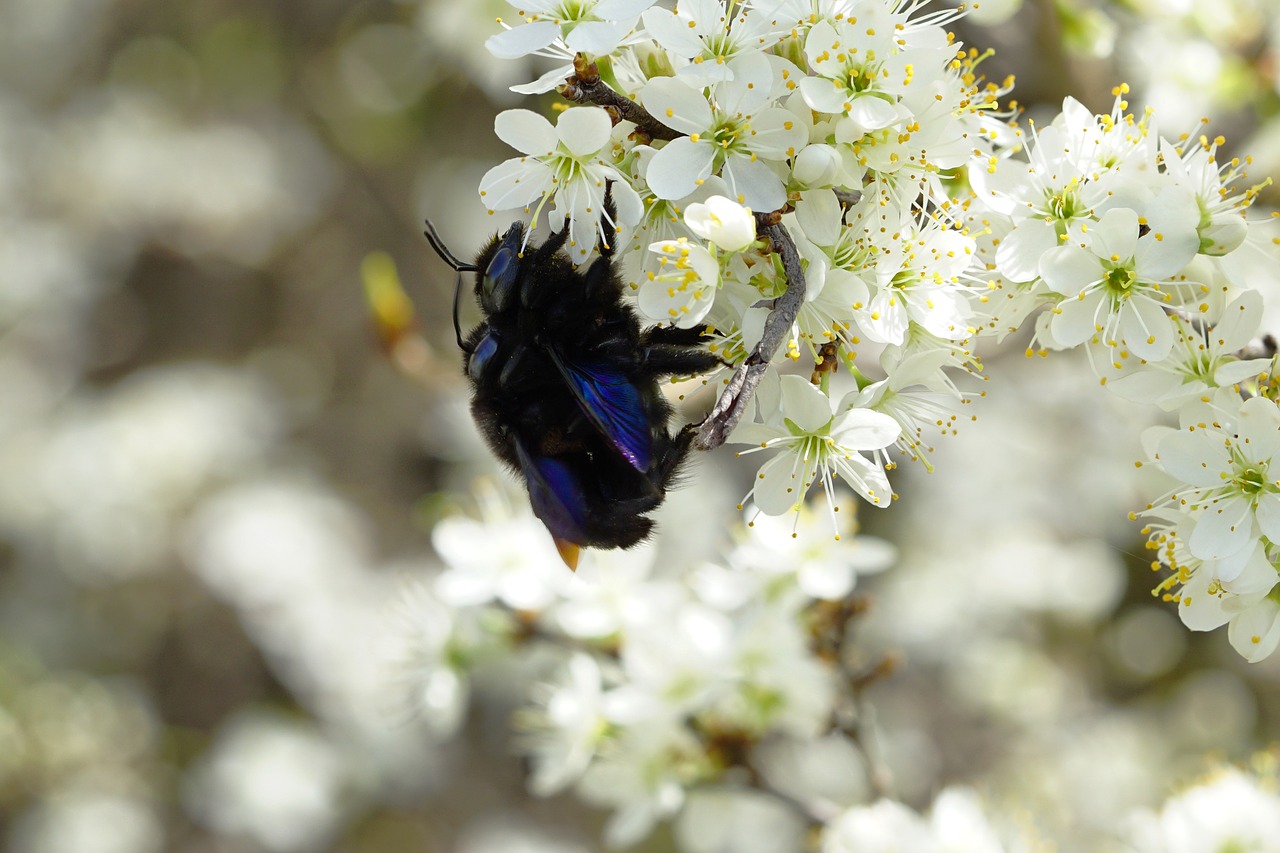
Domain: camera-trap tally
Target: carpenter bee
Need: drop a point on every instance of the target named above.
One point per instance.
(565, 386)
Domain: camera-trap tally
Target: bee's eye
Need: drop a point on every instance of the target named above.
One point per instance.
(500, 279)
(482, 355)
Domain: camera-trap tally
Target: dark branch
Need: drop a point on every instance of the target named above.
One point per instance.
(848, 198)
(733, 401)
(586, 87)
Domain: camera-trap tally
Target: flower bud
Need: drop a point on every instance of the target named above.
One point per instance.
(817, 165)
(1222, 235)
(722, 221)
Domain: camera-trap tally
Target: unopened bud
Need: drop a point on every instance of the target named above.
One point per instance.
(817, 165)
(722, 221)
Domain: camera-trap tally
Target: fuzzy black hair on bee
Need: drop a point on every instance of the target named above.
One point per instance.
(565, 386)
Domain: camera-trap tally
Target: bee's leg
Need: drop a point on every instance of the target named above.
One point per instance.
(608, 222)
(532, 291)
(671, 460)
(554, 243)
(513, 367)
(676, 361)
(675, 336)
(600, 281)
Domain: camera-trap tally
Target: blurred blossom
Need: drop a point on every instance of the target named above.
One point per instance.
(827, 773)
(789, 684)
(611, 591)
(44, 269)
(498, 833)
(732, 820)
(1231, 810)
(955, 824)
(67, 729)
(425, 659)
(825, 566)
(102, 480)
(507, 556)
(291, 558)
(125, 164)
(1014, 680)
(88, 822)
(1215, 710)
(1149, 641)
(456, 31)
(276, 782)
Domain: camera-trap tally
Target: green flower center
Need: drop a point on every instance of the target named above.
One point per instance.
(1251, 480)
(1064, 206)
(1120, 280)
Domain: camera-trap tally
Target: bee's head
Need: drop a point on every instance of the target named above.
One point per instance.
(497, 286)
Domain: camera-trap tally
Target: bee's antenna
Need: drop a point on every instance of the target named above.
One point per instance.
(457, 328)
(443, 251)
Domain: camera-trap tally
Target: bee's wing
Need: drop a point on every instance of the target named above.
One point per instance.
(613, 404)
(555, 494)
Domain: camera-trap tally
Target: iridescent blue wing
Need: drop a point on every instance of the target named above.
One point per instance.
(613, 404)
(555, 494)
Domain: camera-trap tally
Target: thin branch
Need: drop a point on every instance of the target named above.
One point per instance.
(586, 87)
(848, 198)
(733, 400)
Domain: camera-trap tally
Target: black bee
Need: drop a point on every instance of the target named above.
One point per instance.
(565, 386)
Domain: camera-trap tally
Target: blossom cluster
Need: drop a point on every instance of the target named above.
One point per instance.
(925, 219)
(853, 119)
(663, 679)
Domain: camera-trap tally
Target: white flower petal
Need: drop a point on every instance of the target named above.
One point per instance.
(864, 429)
(546, 82)
(1256, 632)
(1258, 426)
(804, 404)
(1199, 609)
(777, 134)
(817, 48)
(722, 221)
(667, 29)
(1267, 513)
(1239, 322)
(583, 131)
(885, 320)
(1115, 236)
(747, 87)
(522, 40)
(869, 112)
(525, 131)
(1076, 318)
(754, 183)
(614, 10)
(598, 38)
(1018, 256)
(1195, 458)
(515, 184)
(1147, 330)
(1223, 529)
(1230, 372)
(866, 478)
(1069, 269)
(677, 104)
(818, 214)
(676, 170)
(781, 484)
(824, 95)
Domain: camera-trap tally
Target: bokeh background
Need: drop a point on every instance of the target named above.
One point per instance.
(216, 491)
